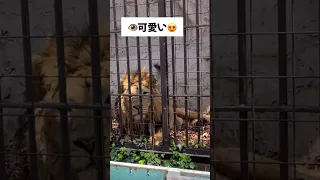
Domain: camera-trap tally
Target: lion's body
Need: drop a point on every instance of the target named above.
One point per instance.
(79, 90)
(150, 114)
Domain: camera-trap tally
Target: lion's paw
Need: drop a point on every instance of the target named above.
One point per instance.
(156, 140)
(127, 138)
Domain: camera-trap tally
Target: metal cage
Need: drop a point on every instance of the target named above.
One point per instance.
(181, 85)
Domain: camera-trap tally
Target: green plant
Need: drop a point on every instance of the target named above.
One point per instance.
(123, 154)
(178, 159)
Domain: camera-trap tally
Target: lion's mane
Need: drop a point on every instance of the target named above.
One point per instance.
(147, 81)
(77, 53)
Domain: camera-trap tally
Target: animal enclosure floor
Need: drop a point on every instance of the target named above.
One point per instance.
(193, 133)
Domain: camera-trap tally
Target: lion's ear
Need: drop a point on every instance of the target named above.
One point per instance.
(154, 81)
(122, 87)
(122, 80)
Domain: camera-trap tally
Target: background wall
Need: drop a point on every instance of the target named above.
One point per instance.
(264, 60)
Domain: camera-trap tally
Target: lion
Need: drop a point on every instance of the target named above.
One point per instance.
(145, 111)
(78, 89)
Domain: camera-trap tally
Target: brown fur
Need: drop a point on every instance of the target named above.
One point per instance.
(192, 115)
(79, 90)
(146, 105)
(77, 58)
(48, 142)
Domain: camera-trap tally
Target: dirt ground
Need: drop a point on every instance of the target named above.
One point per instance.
(193, 134)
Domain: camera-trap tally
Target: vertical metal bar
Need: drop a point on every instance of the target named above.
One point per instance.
(96, 92)
(29, 88)
(293, 92)
(282, 70)
(150, 70)
(139, 70)
(198, 67)
(173, 61)
(128, 68)
(213, 173)
(2, 155)
(252, 91)
(163, 72)
(65, 148)
(106, 161)
(118, 67)
(242, 64)
(185, 17)
(319, 61)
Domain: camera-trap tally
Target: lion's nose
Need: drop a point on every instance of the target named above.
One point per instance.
(137, 107)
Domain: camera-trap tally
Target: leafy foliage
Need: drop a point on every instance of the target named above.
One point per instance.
(177, 160)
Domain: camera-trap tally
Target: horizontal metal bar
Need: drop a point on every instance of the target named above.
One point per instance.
(310, 109)
(164, 152)
(194, 152)
(56, 105)
(157, 45)
(215, 119)
(263, 77)
(313, 109)
(260, 120)
(56, 154)
(307, 109)
(265, 33)
(159, 95)
(266, 162)
(205, 58)
(215, 77)
(49, 36)
(52, 116)
(256, 33)
(188, 85)
(214, 34)
(23, 76)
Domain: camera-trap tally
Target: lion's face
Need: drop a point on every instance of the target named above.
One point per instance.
(136, 107)
(147, 81)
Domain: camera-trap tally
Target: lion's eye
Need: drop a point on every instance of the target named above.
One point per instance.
(145, 93)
